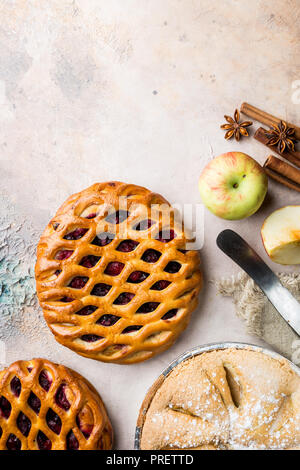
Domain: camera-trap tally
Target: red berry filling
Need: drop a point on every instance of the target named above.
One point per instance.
(144, 225)
(148, 307)
(160, 285)
(61, 398)
(43, 441)
(57, 272)
(13, 443)
(78, 282)
(45, 380)
(63, 254)
(91, 216)
(34, 402)
(170, 314)
(100, 290)
(127, 245)
(86, 429)
(90, 338)
(88, 310)
(1, 432)
(172, 267)
(151, 256)
(72, 442)
(76, 234)
(5, 408)
(53, 421)
(15, 386)
(114, 268)
(66, 299)
(55, 226)
(103, 239)
(132, 328)
(24, 424)
(89, 261)
(137, 276)
(108, 320)
(117, 217)
(119, 347)
(166, 236)
(124, 298)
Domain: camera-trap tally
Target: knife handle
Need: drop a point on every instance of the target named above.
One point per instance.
(242, 254)
(239, 251)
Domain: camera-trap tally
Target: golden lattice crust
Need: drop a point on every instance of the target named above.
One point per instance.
(46, 406)
(227, 399)
(113, 301)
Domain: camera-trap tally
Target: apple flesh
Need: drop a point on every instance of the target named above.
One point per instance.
(233, 186)
(281, 235)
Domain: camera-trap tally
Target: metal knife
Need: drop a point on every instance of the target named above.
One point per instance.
(239, 251)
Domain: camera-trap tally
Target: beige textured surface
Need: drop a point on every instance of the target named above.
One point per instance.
(134, 90)
(227, 400)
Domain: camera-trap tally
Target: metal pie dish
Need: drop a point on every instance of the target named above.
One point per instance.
(188, 355)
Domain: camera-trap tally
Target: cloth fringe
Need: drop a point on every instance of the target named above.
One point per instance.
(260, 317)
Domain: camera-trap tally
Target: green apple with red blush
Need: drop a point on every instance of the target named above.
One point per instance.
(233, 186)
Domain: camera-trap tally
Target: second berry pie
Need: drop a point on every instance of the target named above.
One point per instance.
(46, 406)
(114, 279)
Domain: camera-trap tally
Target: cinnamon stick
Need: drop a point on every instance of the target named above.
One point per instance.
(265, 118)
(282, 172)
(292, 157)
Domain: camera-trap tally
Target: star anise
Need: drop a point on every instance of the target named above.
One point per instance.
(282, 136)
(235, 127)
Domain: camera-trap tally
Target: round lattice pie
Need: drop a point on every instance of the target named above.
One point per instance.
(45, 406)
(114, 278)
(226, 399)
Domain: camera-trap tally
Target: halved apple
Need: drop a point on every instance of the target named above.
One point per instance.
(281, 235)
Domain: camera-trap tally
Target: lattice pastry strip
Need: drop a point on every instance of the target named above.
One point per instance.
(50, 407)
(113, 277)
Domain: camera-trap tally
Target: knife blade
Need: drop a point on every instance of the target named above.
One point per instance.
(242, 254)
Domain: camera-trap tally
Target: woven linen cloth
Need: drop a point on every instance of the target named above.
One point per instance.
(260, 317)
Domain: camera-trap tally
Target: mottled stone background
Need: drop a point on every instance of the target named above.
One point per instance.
(132, 90)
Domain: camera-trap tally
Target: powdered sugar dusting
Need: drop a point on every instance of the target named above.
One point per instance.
(195, 407)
